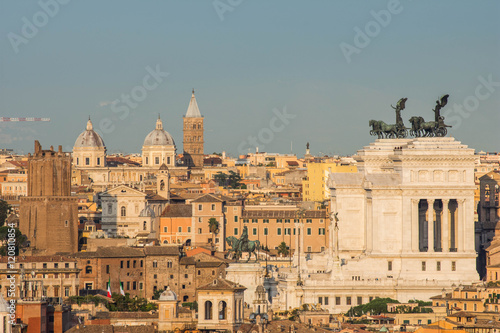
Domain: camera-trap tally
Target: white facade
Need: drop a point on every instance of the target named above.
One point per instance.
(125, 213)
(381, 247)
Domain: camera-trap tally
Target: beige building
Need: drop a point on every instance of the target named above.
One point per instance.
(220, 305)
(53, 276)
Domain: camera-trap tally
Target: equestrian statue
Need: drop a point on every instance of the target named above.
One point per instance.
(238, 246)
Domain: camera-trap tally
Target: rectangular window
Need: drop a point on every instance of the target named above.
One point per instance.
(245, 220)
(265, 232)
(278, 220)
(254, 231)
(236, 219)
(200, 207)
(255, 221)
(320, 300)
(121, 264)
(309, 221)
(423, 266)
(189, 229)
(453, 266)
(360, 300)
(337, 300)
(235, 231)
(213, 207)
(278, 231)
(66, 291)
(287, 220)
(107, 269)
(326, 300)
(199, 231)
(168, 160)
(165, 229)
(309, 232)
(348, 300)
(128, 285)
(87, 161)
(321, 231)
(389, 265)
(157, 160)
(179, 229)
(265, 221)
(134, 285)
(438, 266)
(98, 161)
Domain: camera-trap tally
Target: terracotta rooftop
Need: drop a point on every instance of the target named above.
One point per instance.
(222, 284)
(177, 210)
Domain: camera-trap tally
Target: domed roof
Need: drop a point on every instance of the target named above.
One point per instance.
(159, 137)
(168, 295)
(89, 138)
(147, 212)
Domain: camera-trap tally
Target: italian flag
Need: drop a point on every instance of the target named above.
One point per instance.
(109, 287)
(121, 289)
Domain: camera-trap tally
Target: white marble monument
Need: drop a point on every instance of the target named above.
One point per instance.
(405, 228)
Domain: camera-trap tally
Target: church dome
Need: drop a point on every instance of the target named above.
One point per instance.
(159, 137)
(89, 138)
(147, 212)
(168, 295)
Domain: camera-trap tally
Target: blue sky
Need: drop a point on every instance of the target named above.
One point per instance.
(246, 59)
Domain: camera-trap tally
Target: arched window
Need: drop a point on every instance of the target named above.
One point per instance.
(222, 310)
(88, 269)
(185, 298)
(199, 126)
(123, 211)
(208, 310)
(144, 225)
(194, 126)
(165, 241)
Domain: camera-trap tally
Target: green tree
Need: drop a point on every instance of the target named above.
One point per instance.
(220, 178)
(20, 239)
(375, 307)
(4, 211)
(283, 249)
(213, 227)
(234, 179)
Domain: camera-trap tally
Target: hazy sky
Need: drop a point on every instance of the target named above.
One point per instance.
(279, 71)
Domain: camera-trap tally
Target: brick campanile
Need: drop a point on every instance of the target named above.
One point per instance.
(193, 135)
(49, 214)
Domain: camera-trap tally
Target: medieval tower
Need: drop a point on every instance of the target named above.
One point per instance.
(49, 214)
(193, 135)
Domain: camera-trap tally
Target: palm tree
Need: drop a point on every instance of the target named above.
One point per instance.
(282, 249)
(213, 226)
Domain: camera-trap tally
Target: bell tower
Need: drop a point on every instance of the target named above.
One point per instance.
(193, 135)
(163, 182)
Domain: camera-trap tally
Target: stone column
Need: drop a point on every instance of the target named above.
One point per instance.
(369, 226)
(460, 225)
(414, 225)
(445, 227)
(430, 225)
